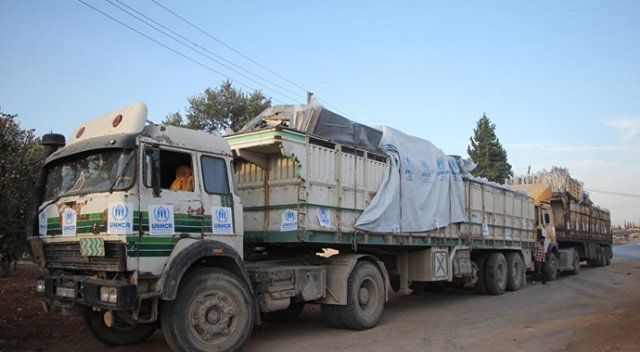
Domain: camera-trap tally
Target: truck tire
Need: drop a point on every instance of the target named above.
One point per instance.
(606, 260)
(576, 263)
(495, 275)
(282, 316)
(551, 265)
(213, 311)
(515, 268)
(330, 314)
(365, 297)
(120, 333)
(481, 287)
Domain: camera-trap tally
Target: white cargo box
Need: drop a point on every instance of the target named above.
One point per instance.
(301, 188)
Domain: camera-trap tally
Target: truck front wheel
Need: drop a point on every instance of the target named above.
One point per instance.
(365, 298)
(119, 333)
(212, 312)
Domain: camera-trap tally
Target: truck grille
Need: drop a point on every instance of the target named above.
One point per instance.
(66, 255)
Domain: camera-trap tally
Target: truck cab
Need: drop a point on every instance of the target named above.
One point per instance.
(128, 212)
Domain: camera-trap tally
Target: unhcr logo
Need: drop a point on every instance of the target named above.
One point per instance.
(120, 212)
(120, 219)
(221, 221)
(222, 215)
(68, 218)
(161, 214)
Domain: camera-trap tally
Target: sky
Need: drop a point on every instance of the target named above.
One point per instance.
(559, 79)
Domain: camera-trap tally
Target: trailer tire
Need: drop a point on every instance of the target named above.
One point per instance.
(605, 256)
(330, 314)
(365, 297)
(213, 310)
(551, 265)
(576, 263)
(120, 333)
(481, 262)
(290, 313)
(495, 276)
(516, 271)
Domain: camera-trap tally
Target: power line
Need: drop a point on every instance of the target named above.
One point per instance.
(244, 56)
(189, 47)
(613, 193)
(227, 45)
(169, 48)
(203, 48)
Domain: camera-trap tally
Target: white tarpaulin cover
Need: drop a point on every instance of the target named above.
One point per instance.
(422, 189)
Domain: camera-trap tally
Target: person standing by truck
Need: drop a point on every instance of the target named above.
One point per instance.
(538, 259)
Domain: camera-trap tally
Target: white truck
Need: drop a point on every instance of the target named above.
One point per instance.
(145, 226)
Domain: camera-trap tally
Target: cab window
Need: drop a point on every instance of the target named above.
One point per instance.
(168, 170)
(214, 174)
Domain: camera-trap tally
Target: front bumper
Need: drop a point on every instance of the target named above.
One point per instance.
(83, 290)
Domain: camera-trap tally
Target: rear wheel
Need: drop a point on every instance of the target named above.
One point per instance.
(365, 297)
(606, 259)
(120, 333)
(481, 262)
(516, 275)
(496, 274)
(212, 312)
(551, 267)
(576, 263)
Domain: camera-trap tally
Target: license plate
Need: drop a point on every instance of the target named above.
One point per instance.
(65, 292)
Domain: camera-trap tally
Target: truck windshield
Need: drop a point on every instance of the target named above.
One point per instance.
(98, 171)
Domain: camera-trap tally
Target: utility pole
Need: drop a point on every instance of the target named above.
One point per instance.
(309, 94)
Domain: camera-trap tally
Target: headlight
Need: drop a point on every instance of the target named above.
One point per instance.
(40, 286)
(109, 294)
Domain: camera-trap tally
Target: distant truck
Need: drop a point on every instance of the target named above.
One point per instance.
(577, 230)
(145, 226)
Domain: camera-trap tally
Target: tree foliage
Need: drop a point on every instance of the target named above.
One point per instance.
(20, 158)
(487, 152)
(220, 108)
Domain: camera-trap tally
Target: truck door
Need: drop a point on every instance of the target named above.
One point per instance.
(170, 204)
(222, 207)
(548, 228)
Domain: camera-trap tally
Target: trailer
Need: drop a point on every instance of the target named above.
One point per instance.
(141, 224)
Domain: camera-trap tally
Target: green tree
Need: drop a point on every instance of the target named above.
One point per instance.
(487, 152)
(220, 108)
(20, 158)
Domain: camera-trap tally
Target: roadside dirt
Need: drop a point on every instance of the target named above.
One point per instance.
(454, 321)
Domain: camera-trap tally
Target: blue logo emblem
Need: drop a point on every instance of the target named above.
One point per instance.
(120, 212)
(222, 215)
(323, 213)
(68, 217)
(440, 163)
(161, 214)
(290, 215)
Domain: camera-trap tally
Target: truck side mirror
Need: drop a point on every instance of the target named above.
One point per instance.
(547, 219)
(152, 170)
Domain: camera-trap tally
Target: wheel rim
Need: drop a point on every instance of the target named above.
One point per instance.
(212, 316)
(367, 299)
